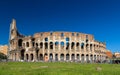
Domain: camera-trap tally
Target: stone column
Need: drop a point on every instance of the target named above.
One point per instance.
(53, 56)
(84, 57)
(80, 57)
(58, 57)
(64, 57)
(70, 56)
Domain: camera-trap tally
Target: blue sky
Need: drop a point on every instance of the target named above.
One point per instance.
(98, 17)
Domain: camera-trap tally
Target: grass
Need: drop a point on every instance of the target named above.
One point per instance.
(57, 68)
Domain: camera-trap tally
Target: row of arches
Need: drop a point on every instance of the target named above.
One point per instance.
(64, 57)
(68, 45)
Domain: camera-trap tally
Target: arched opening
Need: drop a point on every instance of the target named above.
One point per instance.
(62, 57)
(56, 57)
(62, 45)
(56, 45)
(82, 46)
(77, 45)
(82, 58)
(67, 56)
(67, 45)
(87, 58)
(20, 42)
(67, 39)
(72, 45)
(46, 39)
(37, 45)
(46, 57)
(27, 44)
(51, 45)
(78, 57)
(22, 54)
(87, 48)
(31, 55)
(41, 45)
(73, 57)
(41, 57)
(27, 57)
(91, 58)
(46, 45)
(90, 47)
(51, 57)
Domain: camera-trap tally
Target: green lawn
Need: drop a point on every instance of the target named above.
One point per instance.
(57, 68)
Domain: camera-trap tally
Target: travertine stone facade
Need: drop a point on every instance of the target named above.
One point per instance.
(3, 49)
(55, 46)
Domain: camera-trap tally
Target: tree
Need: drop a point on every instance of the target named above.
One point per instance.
(3, 56)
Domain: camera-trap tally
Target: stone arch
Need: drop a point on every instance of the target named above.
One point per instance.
(41, 57)
(73, 57)
(51, 57)
(78, 56)
(87, 58)
(27, 44)
(67, 39)
(31, 57)
(91, 47)
(82, 46)
(67, 56)
(41, 45)
(77, 45)
(51, 45)
(67, 45)
(56, 45)
(82, 58)
(56, 57)
(91, 58)
(72, 45)
(46, 57)
(22, 54)
(95, 58)
(20, 42)
(46, 45)
(36, 44)
(62, 45)
(62, 57)
(46, 39)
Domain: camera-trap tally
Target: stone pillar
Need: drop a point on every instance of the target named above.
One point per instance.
(80, 57)
(64, 57)
(53, 56)
(84, 57)
(70, 56)
(29, 57)
(24, 56)
(43, 49)
(34, 56)
(58, 57)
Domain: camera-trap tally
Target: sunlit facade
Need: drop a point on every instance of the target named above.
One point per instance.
(55, 46)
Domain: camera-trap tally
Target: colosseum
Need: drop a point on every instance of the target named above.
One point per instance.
(55, 46)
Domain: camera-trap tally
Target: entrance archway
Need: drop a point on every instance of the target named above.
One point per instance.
(22, 54)
(56, 57)
(62, 57)
(41, 57)
(67, 56)
(31, 55)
